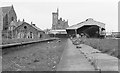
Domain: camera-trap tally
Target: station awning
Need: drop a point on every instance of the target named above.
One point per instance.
(57, 31)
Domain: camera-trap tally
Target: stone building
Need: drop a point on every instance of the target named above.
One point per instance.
(8, 17)
(26, 30)
(58, 23)
(11, 28)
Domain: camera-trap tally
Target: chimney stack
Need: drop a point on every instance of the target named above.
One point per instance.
(23, 20)
(19, 20)
(31, 23)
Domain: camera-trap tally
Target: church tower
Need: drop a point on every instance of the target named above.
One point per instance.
(55, 19)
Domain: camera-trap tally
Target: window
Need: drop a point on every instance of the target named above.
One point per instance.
(5, 28)
(12, 18)
(31, 35)
(25, 27)
(40, 35)
(28, 35)
(6, 19)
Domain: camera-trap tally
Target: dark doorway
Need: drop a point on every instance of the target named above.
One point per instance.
(91, 31)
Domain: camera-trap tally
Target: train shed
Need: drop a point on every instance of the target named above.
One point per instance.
(89, 28)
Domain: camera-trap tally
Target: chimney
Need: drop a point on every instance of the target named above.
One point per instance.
(31, 23)
(61, 19)
(19, 20)
(23, 20)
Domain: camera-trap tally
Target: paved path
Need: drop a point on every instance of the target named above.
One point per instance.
(73, 60)
(102, 61)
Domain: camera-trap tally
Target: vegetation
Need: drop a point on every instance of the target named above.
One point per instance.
(109, 46)
(44, 57)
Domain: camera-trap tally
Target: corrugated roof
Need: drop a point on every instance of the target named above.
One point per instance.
(87, 22)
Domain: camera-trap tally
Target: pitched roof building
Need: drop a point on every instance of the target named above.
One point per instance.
(89, 28)
(26, 30)
(88, 21)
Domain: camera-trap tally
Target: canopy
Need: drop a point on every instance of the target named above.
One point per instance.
(87, 22)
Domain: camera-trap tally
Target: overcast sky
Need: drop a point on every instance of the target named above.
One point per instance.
(75, 11)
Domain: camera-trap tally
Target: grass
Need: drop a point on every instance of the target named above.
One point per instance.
(37, 57)
(109, 46)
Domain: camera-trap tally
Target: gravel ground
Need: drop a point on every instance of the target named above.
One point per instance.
(36, 57)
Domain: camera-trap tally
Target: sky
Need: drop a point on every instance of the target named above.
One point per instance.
(39, 12)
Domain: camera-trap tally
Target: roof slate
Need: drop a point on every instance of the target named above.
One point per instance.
(35, 27)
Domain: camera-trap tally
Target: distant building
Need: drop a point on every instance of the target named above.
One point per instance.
(63, 31)
(88, 28)
(46, 31)
(58, 33)
(115, 34)
(26, 30)
(58, 23)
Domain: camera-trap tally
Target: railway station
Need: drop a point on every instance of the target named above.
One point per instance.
(25, 47)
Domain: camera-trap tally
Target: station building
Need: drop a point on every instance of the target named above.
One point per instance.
(88, 28)
(26, 30)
